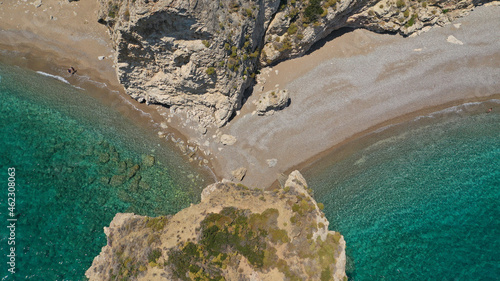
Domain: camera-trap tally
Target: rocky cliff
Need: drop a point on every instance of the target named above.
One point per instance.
(199, 56)
(300, 24)
(235, 233)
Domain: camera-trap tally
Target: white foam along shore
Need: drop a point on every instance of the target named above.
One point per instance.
(465, 107)
(53, 76)
(58, 78)
(357, 84)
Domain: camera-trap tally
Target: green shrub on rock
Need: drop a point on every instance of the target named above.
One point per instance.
(292, 29)
(313, 10)
(210, 70)
(232, 231)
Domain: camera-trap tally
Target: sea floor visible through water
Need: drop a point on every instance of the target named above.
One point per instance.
(77, 164)
(418, 200)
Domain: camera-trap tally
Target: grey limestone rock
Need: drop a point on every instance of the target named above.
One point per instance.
(294, 29)
(196, 56)
(200, 56)
(272, 162)
(271, 101)
(239, 173)
(227, 139)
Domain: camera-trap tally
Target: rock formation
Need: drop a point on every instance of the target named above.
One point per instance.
(300, 24)
(199, 56)
(235, 233)
(271, 101)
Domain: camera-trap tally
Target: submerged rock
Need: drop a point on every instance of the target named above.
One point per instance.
(104, 180)
(122, 167)
(148, 161)
(117, 180)
(235, 233)
(133, 170)
(144, 185)
(104, 157)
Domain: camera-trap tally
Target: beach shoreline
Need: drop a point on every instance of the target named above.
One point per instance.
(357, 83)
(387, 128)
(288, 136)
(72, 37)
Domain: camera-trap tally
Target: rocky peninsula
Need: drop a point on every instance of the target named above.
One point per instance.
(235, 233)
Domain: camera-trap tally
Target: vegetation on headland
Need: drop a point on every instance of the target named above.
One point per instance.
(287, 230)
(225, 236)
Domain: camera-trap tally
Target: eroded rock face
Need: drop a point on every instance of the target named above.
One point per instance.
(300, 24)
(410, 17)
(200, 56)
(235, 232)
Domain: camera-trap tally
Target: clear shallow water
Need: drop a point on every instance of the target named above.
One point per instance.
(75, 162)
(420, 201)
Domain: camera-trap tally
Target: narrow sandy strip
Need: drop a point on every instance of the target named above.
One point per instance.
(356, 83)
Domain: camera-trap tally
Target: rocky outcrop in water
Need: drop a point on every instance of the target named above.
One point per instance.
(235, 233)
(199, 56)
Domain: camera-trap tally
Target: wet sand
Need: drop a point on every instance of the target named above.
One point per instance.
(360, 82)
(61, 33)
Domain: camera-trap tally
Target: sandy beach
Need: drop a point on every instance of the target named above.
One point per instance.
(358, 83)
(64, 34)
(351, 84)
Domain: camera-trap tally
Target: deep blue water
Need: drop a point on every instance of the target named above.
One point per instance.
(420, 201)
(66, 147)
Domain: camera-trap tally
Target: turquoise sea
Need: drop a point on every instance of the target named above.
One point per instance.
(78, 163)
(420, 200)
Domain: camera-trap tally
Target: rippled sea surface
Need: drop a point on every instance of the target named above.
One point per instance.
(77, 163)
(419, 201)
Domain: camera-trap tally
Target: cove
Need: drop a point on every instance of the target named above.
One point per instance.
(78, 163)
